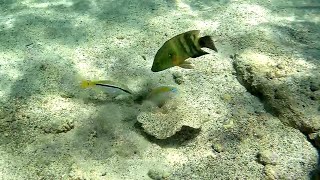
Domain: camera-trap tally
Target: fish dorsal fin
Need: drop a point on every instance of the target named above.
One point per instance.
(195, 32)
(207, 42)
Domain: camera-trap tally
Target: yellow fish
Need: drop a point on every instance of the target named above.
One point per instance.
(106, 84)
(161, 94)
(176, 50)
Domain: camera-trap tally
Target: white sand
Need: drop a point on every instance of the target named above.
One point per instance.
(52, 129)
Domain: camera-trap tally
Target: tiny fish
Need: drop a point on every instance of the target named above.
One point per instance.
(161, 94)
(176, 50)
(105, 84)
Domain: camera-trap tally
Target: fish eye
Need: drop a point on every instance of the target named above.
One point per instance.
(170, 54)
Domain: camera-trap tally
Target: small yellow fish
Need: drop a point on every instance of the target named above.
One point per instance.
(161, 94)
(176, 50)
(105, 83)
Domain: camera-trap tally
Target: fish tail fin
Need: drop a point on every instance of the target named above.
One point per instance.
(86, 84)
(207, 42)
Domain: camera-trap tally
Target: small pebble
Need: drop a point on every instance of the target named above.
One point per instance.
(226, 97)
(4, 113)
(316, 138)
(158, 174)
(120, 37)
(270, 172)
(217, 147)
(313, 136)
(267, 157)
(280, 66)
(229, 124)
(178, 78)
(313, 87)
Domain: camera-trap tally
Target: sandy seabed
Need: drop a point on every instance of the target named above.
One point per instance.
(251, 111)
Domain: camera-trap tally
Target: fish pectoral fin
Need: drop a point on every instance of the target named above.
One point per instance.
(186, 65)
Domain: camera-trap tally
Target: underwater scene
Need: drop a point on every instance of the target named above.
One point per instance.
(159, 89)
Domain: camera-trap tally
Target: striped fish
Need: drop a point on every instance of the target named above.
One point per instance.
(109, 85)
(176, 50)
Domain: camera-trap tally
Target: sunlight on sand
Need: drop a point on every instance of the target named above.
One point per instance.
(7, 22)
(33, 4)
